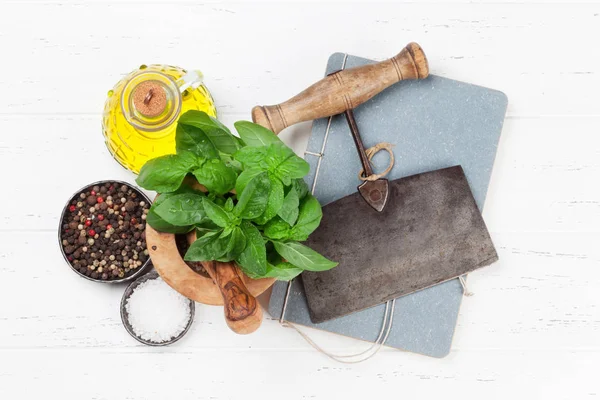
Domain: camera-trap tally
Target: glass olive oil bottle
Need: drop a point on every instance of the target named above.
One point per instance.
(141, 112)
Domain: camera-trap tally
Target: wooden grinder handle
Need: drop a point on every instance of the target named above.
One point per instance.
(243, 313)
(343, 90)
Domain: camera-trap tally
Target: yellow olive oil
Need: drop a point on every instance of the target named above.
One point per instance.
(141, 112)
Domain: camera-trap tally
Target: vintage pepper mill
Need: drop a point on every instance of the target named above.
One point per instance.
(141, 112)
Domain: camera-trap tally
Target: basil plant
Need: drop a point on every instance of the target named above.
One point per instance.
(257, 208)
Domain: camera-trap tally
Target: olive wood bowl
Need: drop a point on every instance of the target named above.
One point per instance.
(176, 273)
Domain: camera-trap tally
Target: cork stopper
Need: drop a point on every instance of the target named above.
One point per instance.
(150, 98)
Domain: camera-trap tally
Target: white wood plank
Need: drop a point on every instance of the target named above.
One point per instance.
(266, 52)
(216, 374)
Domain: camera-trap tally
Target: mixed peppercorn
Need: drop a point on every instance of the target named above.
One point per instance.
(103, 231)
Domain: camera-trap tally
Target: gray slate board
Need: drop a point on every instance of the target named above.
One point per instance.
(434, 123)
(429, 232)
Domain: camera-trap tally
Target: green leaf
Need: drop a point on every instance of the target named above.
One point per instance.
(292, 168)
(301, 187)
(209, 247)
(289, 209)
(226, 231)
(276, 154)
(250, 157)
(237, 244)
(228, 205)
(303, 256)
(309, 218)
(282, 271)
(274, 202)
(216, 176)
(165, 174)
(156, 222)
(205, 228)
(192, 139)
(183, 209)
(277, 229)
(285, 164)
(218, 200)
(218, 134)
(273, 257)
(253, 260)
(253, 200)
(255, 135)
(245, 177)
(230, 162)
(217, 214)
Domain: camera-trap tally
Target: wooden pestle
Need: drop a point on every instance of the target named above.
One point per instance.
(243, 314)
(343, 90)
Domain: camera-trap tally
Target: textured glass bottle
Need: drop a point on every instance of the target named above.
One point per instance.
(141, 112)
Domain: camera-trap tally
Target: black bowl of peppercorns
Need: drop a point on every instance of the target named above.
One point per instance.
(102, 232)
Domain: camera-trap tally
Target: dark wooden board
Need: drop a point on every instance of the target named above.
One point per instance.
(430, 231)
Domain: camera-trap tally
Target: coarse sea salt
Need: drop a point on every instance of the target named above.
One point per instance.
(156, 312)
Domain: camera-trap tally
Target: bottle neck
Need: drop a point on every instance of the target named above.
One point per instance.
(151, 101)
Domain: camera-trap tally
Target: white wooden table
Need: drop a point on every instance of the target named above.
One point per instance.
(533, 326)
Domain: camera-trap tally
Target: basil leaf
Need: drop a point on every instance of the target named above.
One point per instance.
(216, 176)
(226, 232)
(156, 222)
(309, 218)
(205, 228)
(250, 157)
(230, 162)
(253, 200)
(207, 248)
(285, 164)
(276, 154)
(255, 135)
(237, 244)
(289, 209)
(228, 205)
(166, 173)
(292, 168)
(183, 209)
(277, 229)
(192, 139)
(273, 257)
(274, 202)
(245, 177)
(253, 260)
(218, 200)
(303, 257)
(301, 187)
(218, 134)
(217, 214)
(283, 271)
